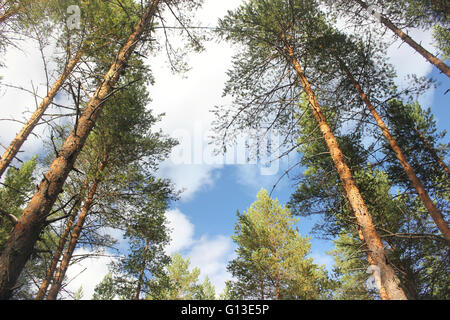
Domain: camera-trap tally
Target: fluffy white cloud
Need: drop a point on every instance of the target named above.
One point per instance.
(190, 178)
(87, 273)
(321, 258)
(23, 68)
(182, 231)
(406, 60)
(210, 254)
(186, 103)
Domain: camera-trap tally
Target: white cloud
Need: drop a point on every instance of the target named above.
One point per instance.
(23, 68)
(189, 178)
(187, 101)
(182, 231)
(406, 60)
(210, 254)
(87, 273)
(321, 258)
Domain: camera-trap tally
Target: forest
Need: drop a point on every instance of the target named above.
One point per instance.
(87, 157)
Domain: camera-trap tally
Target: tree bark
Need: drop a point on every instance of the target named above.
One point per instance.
(76, 234)
(381, 290)
(434, 212)
(142, 271)
(421, 50)
(277, 287)
(389, 279)
(58, 252)
(261, 288)
(24, 236)
(24, 133)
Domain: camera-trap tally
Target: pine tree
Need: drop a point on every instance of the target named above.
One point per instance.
(384, 11)
(105, 289)
(16, 189)
(274, 255)
(119, 159)
(178, 283)
(406, 229)
(271, 31)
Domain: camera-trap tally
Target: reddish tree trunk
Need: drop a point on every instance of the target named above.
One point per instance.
(7, 15)
(381, 289)
(434, 212)
(56, 256)
(76, 234)
(10, 153)
(141, 273)
(389, 279)
(12, 11)
(421, 50)
(26, 232)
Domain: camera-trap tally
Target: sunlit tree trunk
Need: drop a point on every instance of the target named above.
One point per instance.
(389, 279)
(434, 212)
(381, 290)
(421, 50)
(76, 234)
(11, 152)
(8, 14)
(141, 272)
(23, 238)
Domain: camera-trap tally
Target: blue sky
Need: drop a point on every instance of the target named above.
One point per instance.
(214, 193)
(203, 219)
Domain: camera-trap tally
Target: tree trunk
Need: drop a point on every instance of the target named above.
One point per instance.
(142, 271)
(22, 136)
(76, 234)
(421, 50)
(55, 258)
(432, 151)
(277, 287)
(434, 212)
(381, 290)
(24, 236)
(389, 279)
(58, 252)
(261, 288)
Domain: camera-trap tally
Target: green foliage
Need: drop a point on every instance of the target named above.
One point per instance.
(442, 38)
(180, 283)
(424, 14)
(15, 192)
(79, 294)
(350, 266)
(416, 131)
(105, 290)
(272, 257)
(409, 234)
(228, 292)
(206, 290)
